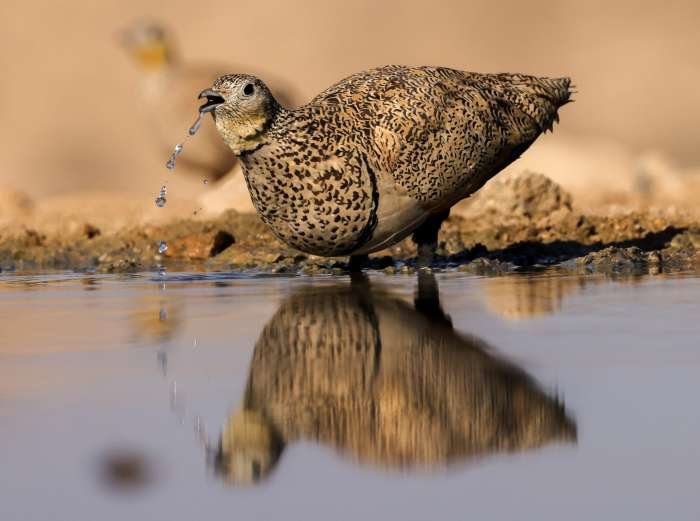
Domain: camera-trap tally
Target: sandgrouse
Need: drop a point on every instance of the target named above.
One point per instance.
(380, 155)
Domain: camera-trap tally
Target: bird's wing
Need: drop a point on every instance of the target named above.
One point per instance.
(443, 133)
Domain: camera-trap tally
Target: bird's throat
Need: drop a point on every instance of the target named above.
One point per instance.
(242, 136)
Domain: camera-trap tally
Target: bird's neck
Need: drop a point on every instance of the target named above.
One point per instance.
(250, 133)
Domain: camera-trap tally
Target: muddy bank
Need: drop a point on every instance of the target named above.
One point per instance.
(523, 221)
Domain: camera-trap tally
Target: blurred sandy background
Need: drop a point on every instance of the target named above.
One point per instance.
(70, 122)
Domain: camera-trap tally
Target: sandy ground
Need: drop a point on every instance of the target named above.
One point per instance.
(516, 221)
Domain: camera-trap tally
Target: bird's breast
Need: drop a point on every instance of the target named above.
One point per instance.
(317, 204)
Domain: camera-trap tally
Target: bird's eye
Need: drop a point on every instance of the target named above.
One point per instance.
(248, 89)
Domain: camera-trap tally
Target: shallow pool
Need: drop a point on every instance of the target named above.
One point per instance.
(528, 396)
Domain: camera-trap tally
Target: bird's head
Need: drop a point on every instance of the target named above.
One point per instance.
(243, 108)
(249, 449)
(148, 44)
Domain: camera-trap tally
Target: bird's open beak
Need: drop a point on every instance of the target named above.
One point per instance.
(214, 99)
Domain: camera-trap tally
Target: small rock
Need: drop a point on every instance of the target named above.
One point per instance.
(511, 198)
(615, 259)
(34, 238)
(690, 240)
(654, 258)
(91, 231)
(199, 246)
(486, 266)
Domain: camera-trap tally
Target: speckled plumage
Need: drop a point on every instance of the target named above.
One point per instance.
(372, 158)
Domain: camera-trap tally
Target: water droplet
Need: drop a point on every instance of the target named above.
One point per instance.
(195, 126)
(205, 181)
(161, 200)
(170, 165)
(173, 396)
(163, 315)
(162, 247)
(161, 271)
(200, 431)
(163, 362)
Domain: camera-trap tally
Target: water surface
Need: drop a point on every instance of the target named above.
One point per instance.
(530, 396)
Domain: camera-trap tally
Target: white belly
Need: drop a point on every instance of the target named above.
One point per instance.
(397, 216)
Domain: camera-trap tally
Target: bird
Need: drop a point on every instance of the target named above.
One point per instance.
(380, 155)
(165, 88)
(384, 383)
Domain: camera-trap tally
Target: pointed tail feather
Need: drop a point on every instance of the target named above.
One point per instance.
(539, 98)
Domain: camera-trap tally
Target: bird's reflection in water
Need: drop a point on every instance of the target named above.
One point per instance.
(384, 383)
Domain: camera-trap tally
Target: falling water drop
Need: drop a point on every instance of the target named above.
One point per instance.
(161, 200)
(170, 165)
(195, 126)
(200, 431)
(162, 357)
(173, 395)
(205, 181)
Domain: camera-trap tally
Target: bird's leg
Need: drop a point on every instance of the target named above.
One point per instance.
(360, 285)
(426, 238)
(427, 299)
(357, 262)
(359, 281)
